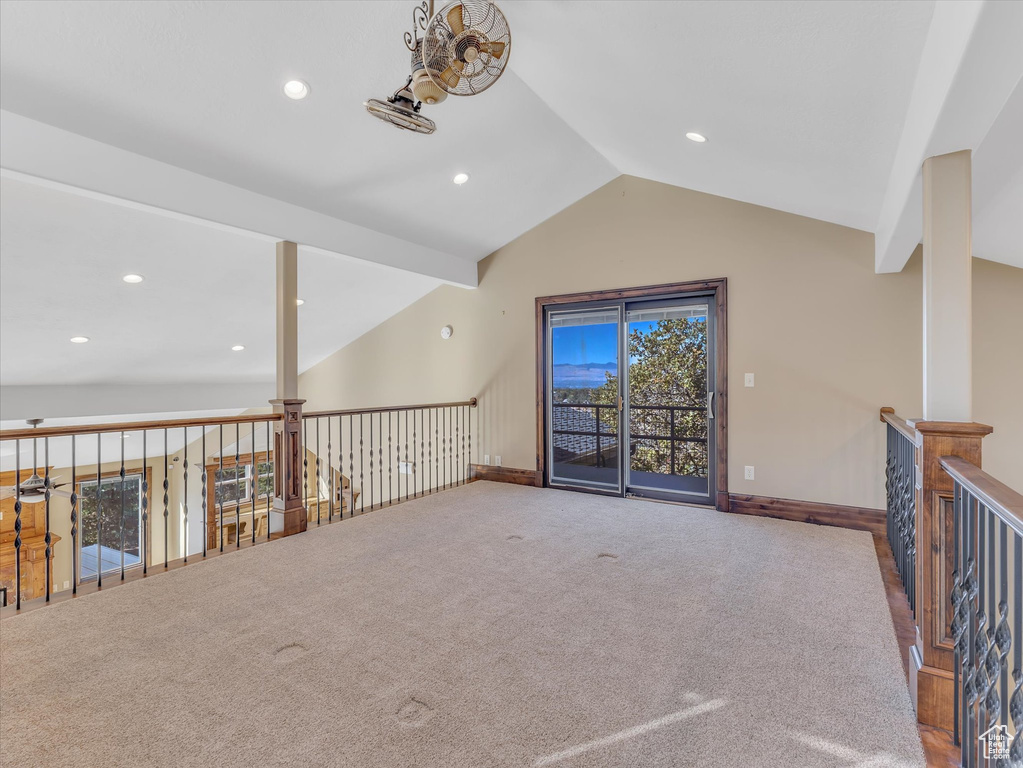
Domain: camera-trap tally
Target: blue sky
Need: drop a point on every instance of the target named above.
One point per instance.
(580, 344)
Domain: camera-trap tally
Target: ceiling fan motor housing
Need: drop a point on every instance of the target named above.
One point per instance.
(424, 89)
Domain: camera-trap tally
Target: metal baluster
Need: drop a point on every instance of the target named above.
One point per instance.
(121, 474)
(380, 431)
(270, 459)
(205, 500)
(305, 467)
(435, 479)
(1016, 700)
(48, 538)
(17, 523)
(217, 479)
(451, 446)
(1003, 636)
(370, 460)
(390, 479)
(255, 480)
(956, 598)
(362, 459)
(330, 475)
(317, 470)
(969, 695)
(237, 486)
(166, 504)
(74, 520)
(184, 544)
(351, 463)
(980, 644)
(99, 508)
(470, 435)
(406, 454)
(145, 504)
(417, 465)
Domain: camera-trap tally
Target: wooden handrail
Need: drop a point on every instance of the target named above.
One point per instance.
(471, 403)
(888, 415)
(28, 433)
(994, 494)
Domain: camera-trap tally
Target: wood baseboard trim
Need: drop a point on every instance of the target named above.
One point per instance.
(857, 518)
(506, 475)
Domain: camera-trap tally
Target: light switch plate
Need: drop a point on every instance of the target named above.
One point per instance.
(486, 458)
(749, 379)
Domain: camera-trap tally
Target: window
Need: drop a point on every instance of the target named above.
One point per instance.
(234, 484)
(111, 525)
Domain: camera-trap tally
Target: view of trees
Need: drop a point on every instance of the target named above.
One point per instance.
(668, 367)
(112, 514)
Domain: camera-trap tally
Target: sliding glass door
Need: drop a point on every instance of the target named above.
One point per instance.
(584, 399)
(630, 403)
(669, 402)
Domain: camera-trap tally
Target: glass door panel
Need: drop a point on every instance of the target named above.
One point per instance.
(668, 402)
(583, 408)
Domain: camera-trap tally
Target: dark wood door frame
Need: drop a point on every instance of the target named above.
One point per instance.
(718, 288)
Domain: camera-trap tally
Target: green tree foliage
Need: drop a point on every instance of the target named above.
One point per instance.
(117, 510)
(668, 367)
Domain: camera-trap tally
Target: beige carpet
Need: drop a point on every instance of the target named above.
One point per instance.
(490, 625)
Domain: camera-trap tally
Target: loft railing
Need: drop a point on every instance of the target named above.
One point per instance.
(900, 491)
(359, 460)
(987, 616)
(85, 506)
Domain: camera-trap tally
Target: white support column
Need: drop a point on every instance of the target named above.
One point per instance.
(948, 286)
(289, 515)
(287, 321)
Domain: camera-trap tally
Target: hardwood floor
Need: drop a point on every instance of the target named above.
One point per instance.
(939, 750)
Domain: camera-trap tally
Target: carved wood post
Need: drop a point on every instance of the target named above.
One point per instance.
(288, 503)
(931, 659)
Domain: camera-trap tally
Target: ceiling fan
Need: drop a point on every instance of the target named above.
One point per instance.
(463, 51)
(33, 490)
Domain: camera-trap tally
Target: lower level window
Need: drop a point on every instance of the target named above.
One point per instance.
(111, 525)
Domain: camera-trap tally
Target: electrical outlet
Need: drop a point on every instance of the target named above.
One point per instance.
(486, 458)
(497, 461)
(749, 473)
(749, 379)
(67, 585)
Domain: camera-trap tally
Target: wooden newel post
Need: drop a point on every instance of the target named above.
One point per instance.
(288, 503)
(932, 658)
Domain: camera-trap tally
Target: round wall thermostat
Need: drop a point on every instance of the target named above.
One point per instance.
(445, 332)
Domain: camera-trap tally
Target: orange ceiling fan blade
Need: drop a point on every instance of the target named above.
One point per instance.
(451, 75)
(494, 49)
(455, 20)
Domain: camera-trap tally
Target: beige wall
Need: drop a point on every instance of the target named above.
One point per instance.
(829, 341)
(998, 367)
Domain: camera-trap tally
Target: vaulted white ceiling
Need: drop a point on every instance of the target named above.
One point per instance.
(205, 290)
(804, 105)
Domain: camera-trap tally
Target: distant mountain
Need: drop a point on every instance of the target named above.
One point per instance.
(583, 376)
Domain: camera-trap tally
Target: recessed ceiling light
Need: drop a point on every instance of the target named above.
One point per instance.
(237, 347)
(699, 138)
(460, 178)
(296, 89)
(79, 339)
(299, 302)
(132, 278)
